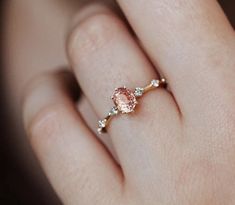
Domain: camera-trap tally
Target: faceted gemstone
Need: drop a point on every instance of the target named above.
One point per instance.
(113, 111)
(139, 92)
(155, 83)
(124, 99)
(102, 123)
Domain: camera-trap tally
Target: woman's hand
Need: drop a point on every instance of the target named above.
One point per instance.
(179, 146)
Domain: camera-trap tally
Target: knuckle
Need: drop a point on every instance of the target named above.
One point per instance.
(85, 187)
(45, 127)
(92, 34)
(195, 175)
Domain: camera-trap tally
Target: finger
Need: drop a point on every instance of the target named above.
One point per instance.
(78, 166)
(104, 56)
(91, 119)
(192, 43)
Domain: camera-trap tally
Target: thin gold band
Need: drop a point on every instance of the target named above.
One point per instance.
(138, 92)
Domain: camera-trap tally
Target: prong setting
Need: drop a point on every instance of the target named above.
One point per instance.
(102, 123)
(139, 92)
(125, 101)
(113, 111)
(155, 83)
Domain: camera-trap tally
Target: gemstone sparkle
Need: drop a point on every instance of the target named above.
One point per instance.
(102, 123)
(113, 111)
(139, 92)
(155, 83)
(124, 99)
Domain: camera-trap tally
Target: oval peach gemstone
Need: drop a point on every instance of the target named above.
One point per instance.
(124, 99)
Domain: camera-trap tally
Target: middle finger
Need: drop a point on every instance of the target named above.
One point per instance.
(193, 44)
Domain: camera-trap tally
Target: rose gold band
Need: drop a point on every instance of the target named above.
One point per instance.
(125, 101)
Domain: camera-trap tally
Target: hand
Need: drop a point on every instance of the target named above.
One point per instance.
(179, 145)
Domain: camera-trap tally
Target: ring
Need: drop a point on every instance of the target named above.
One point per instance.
(125, 101)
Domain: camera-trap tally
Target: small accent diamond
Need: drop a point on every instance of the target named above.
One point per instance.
(102, 123)
(155, 83)
(139, 92)
(100, 130)
(113, 111)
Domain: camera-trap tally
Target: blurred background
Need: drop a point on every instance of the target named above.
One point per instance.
(32, 40)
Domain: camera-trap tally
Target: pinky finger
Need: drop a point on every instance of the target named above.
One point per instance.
(76, 163)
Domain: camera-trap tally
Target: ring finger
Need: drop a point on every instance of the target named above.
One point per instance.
(104, 55)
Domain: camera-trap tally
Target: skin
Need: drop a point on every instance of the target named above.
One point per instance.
(179, 145)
